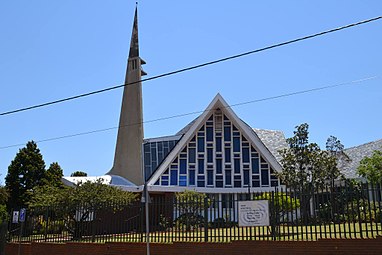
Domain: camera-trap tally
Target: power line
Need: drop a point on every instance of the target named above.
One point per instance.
(191, 67)
(200, 112)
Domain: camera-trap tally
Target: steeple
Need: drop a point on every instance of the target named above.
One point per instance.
(128, 151)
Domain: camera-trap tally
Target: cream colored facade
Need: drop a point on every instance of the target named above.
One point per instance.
(128, 151)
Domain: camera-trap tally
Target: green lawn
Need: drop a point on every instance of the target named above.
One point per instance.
(283, 232)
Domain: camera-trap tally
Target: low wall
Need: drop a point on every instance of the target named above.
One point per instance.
(334, 246)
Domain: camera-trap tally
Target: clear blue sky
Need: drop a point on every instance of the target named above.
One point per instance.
(54, 49)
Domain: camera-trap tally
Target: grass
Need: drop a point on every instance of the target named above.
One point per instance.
(348, 230)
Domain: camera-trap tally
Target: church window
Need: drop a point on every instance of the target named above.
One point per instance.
(191, 155)
(236, 166)
(219, 166)
(255, 181)
(201, 180)
(228, 178)
(219, 181)
(174, 177)
(200, 166)
(218, 144)
(246, 177)
(182, 180)
(255, 166)
(227, 133)
(245, 155)
(210, 155)
(227, 154)
(237, 181)
(218, 155)
(191, 180)
(236, 144)
(183, 166)
(264, 177)
(210, 177)
(200, 144)
(210, 134)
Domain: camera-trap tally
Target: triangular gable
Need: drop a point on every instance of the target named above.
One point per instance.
(248, 137)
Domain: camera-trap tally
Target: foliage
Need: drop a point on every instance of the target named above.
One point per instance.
(371, 168)
(87, 194)
(78, 174)
(3, 200)
(3, 213)
(165, 223)
(25, 172)
(4, 195)
(305, 165)
(53, 175)
(190, 205)
(223, 222)
(48, 227)
(282, 201)
(75, 204)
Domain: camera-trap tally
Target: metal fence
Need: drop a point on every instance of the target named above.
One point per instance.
(347, 211)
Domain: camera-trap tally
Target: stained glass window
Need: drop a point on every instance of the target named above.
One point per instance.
(201, 163)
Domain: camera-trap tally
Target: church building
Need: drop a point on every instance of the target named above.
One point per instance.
(216, 153)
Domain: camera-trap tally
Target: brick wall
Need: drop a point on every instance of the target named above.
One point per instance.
(335, 246)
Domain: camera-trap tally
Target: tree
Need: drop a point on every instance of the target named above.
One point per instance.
(371, 168)
(74, 205)
(25, 172)
(190, 205)
(87, 194)
(336, 150)
(53, 175)
(78, 174)
(306, 167)
(3, 200)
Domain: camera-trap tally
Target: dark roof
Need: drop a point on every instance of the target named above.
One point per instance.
(187, 127)
(274, 140)
(356, 154)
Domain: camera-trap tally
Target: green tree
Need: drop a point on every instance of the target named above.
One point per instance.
(190, 205)
(87, 194)
(371, 168)
(25, 172)
(307, 168)
(73, 205)
(3, 200)
(305, 165)
(281, 202)
(78, 174)
(53, 175)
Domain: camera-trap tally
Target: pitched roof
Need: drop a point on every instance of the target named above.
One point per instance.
(356, 154)
(274, 140)
(217, 102)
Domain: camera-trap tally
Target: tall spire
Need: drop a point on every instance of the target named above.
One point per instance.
(128, 150)
(134, 47)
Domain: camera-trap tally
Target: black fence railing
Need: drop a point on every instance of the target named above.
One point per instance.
(347, 211)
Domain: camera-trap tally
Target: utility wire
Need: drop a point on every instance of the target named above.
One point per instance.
(191, 67)
(200, 112)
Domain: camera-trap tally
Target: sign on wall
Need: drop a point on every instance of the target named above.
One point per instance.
(253, 213)
(15, 217)
(23, 213)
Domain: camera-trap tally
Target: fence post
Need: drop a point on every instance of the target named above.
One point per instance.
(206, 219)
(3, 235)
(142, 221)
(93, 224)
(273, 216)
(46, 224)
